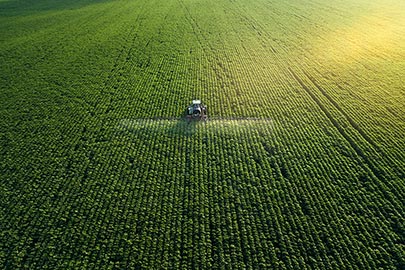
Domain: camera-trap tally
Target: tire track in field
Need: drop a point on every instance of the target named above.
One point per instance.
(87, 129)
(375, 171)
(265, 36)
(200, 36)
(378, 171)
(328, 115)
(353, 124)
(207, 49)
(116, 66)
(194, 25)
(123, 59)
(106, 93)
(348, 118)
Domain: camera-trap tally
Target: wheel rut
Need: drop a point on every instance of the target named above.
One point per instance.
(348, 118)
(368, 165)
(352, 143)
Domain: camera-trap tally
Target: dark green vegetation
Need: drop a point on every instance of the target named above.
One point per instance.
(86, 183)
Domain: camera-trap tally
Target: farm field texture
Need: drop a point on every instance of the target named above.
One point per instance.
(302, 166)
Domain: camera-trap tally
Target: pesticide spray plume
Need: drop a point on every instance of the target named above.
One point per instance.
(181, 126)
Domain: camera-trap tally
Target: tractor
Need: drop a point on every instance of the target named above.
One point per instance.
(196, 111)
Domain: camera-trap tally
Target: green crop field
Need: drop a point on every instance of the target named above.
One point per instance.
(301, 164)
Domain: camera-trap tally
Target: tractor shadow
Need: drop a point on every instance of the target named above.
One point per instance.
(169, 127)
(184, 128)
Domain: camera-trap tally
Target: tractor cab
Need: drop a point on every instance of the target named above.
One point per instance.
(196, 111)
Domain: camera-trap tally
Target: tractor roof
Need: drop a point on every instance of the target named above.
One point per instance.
(196, 102)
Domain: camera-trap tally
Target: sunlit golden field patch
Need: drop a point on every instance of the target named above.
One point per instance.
(375, 36)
